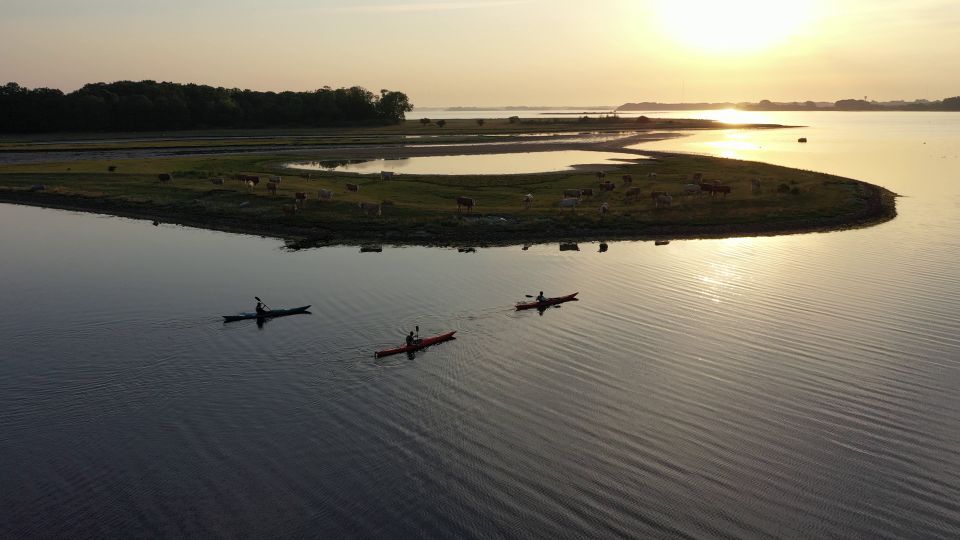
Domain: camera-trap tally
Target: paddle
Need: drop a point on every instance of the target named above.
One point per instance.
(264, 303)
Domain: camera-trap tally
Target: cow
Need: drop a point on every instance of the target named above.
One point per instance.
(755, 185)
(627, 178)
(216, 181)
(325, 195)
(663, 200)
(607, 186)
(601, 175)
(353, 187)
(697, 177)
(465, 202)
(572, 193)
(692, 189)
(586, 192)
(569, 203)
(272, 188)
(164, 177)
(725, 190)
(275, 179)
(656, 195)
(527, 200)
(386, 175)
(604, 208)
(632, 193)
(372, 209)
(300, 198)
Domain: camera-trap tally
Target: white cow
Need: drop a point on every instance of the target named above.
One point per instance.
(569, 203)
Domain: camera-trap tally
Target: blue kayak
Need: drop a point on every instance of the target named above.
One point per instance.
(266, 315)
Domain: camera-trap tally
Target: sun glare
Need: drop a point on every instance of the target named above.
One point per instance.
(732, 26)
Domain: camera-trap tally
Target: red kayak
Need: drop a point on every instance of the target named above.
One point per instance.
(424, 343)
(548, 302)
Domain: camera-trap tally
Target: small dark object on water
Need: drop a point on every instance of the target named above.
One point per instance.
(156, 223)
(569, 247)
(802, 140)
(603, 247)
(371, 249)
(661, 242)
(526, 247)
(467, 250)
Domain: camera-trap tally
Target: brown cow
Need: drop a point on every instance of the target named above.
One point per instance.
(607, 186)
(632, 193)
(466, 202)
(586, 192)
(627, 178)
(299, 199)
(164, 177)
(272, 188)
(353, 187)
(373, 209)
(697, 177)
(725, 190)
(574, 193)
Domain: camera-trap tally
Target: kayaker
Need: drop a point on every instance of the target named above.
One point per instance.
(541, 297)
(411, 340)
(261, 309)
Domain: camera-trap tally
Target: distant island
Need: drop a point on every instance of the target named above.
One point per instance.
(948, 104)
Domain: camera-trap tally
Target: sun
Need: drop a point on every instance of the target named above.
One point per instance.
(732, 26)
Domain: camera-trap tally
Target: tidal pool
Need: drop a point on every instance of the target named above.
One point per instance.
(507, 163)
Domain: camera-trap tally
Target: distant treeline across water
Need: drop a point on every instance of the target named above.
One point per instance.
(151, 105)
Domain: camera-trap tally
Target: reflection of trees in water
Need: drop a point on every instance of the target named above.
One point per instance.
(336, 163)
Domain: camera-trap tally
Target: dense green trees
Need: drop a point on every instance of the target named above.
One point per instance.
(150, 105)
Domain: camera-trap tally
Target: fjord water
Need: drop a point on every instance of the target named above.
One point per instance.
(795, 386)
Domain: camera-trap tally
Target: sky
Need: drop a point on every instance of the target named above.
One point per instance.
(498, 52)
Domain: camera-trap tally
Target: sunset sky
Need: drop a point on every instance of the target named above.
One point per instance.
(498, 52)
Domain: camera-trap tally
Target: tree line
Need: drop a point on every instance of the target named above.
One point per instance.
(152, 106)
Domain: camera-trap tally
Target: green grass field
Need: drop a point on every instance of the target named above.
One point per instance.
(422, 208)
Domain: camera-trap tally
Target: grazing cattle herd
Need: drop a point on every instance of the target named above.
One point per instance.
(658, 190)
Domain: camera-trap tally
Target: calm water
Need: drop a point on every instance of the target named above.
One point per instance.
(802, 386)
(508, 163)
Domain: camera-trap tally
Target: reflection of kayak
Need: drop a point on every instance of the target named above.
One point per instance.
(424, 343)
(268, 315)
(547, 302)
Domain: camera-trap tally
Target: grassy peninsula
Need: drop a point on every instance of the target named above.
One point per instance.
(118, 175)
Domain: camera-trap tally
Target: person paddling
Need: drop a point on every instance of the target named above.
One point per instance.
(261, 308)
(411, 340)
(541, 297)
